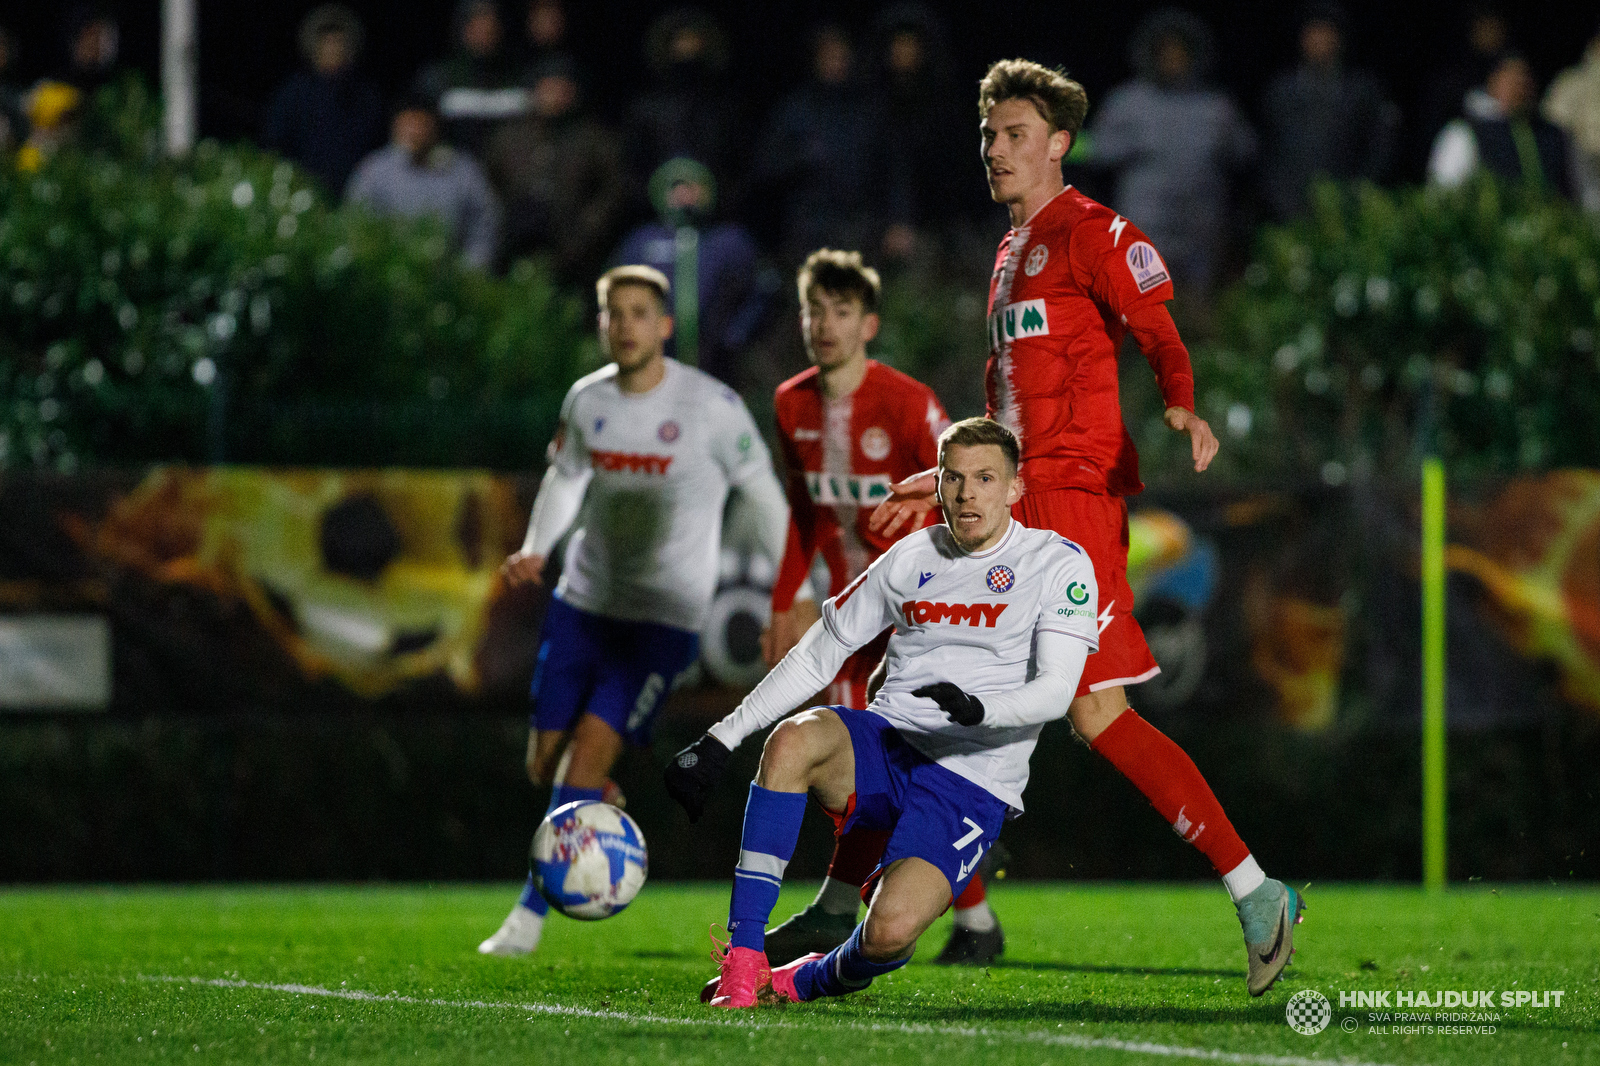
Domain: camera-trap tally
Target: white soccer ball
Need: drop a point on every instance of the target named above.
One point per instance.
(588, 859)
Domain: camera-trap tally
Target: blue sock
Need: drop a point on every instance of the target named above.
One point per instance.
(561, 794)
(841, 971)
(771, 827)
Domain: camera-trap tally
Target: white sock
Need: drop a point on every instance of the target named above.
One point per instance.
(978, 917)
(1244, 878)
(837, 897)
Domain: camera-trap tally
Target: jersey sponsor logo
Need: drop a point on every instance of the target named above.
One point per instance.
(668, 431)
(921, 612)
(1118, 224)
(629, 462)
(875, 443)
(1145, 265)
(1036, 260)
(1000, 578)
(745, 443)
(808, 434)
(1026, 318)
(1077, 594)
(842, 490)
(1073, 612)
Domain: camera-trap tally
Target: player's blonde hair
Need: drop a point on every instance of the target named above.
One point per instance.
(635, 274)
(974, 431)
(1061, 102)
(842, 274)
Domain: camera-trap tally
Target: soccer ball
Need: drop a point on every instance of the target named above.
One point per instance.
(588, 859)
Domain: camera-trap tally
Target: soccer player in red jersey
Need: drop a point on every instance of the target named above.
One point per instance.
(1071, 279)
(849, 428)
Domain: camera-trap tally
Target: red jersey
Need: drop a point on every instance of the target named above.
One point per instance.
(841, 457)
(1064, 285)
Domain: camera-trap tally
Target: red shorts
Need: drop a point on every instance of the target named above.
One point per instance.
(1099, 525)
(849, 688)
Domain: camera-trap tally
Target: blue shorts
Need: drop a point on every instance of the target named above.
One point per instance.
(930, 813)
(620, 672)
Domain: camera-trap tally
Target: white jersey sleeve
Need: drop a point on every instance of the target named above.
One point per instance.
(865, 607)
(735, 442)
(567, 453)
(1071, 603)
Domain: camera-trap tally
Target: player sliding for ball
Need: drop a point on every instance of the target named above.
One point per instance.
(992, 623)
(649, 449)
(1071, 279)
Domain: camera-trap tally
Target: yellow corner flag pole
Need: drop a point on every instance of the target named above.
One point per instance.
(1433, 635)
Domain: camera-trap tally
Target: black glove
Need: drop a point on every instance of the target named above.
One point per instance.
(694, 772)
(962, 708)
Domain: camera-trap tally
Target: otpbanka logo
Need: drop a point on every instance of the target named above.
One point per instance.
(1308, 1012)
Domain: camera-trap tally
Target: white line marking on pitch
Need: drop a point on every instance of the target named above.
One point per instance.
(1088, 1043)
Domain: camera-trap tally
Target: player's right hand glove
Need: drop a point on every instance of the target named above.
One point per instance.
(694, 772)
(962, 708)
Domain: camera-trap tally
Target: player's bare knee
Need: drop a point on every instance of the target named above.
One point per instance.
(797, 744)
(889, 936)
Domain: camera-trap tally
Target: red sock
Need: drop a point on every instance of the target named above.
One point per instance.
(857, 854)
(972, 895)
(1174, 786)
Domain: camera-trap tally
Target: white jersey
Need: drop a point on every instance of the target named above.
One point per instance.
(649, 536)
(971, 620)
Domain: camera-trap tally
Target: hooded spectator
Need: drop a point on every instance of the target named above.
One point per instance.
(1501, 132)
(1484, 37)
(687, 112)
(560, 174)
(479, 86)
(1324, 118)
(325, 117)
(731, 300)
(417, 176)
(1573, 103)
(1175, 143)
(929, 140)
(823, 155)
(94, 46)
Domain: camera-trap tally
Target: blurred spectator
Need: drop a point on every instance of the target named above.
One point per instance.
(478, 87)
(544, 28)
(1500, 132)
(684, 193)
(560, 174)
(932, 152)
(1573, 103)
(416, 176)
(688, 111)
(823, 155)
(13, 125)
(1175, 142)
(53, 111)
(1324, 118)
(1484, 37)
(94, 44)
(324, 117)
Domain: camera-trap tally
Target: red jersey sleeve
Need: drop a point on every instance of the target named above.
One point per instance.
(801, 545)
(1119, 266)
(926, 431)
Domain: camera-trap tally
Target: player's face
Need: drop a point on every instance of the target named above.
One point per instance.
(836, 328)
(633, 325)
(977, 488)
(1019, 150)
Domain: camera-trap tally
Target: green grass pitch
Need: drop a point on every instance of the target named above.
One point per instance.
(1113, 974)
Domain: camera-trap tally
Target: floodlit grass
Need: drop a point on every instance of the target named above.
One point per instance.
(1102, 974)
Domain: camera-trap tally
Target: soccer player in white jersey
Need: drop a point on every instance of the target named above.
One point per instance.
(992, 623)
(647, 449)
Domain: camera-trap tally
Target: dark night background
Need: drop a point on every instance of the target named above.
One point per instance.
(245, 49)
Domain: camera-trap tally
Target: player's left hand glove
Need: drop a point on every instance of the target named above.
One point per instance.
(694, 772)
(962, 708)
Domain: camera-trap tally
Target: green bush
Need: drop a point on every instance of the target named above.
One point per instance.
(1387, 323)
(153, 309)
